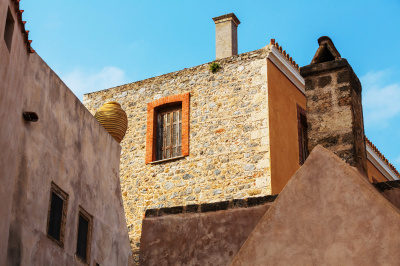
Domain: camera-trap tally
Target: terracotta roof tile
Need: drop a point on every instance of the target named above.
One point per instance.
(289, 58)
(22, 23)
(382, 156)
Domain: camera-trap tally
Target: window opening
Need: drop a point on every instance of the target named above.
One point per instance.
(302, 134)
(57, 214)
(169, 133)
(304, 138)
(84, 235)
(167, 138)
(8, 31)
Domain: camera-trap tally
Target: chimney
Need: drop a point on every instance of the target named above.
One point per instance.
(226, 35)
(334, 109)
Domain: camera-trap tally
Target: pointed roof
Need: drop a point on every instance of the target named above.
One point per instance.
(25, 32)
(328, 212)
(326, 51)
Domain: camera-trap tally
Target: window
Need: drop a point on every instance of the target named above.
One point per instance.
(8, 31)
(169, 133)
(167, 128)
(84, 235)
(57, 214)
(302, 134)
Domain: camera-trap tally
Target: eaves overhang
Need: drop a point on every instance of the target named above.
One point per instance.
(286, 67)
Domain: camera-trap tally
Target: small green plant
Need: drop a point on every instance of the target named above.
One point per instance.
(214, 67)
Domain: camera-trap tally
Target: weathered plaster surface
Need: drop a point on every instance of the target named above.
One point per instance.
(283, 98)
(391, 191)
(328, 213)
(211, 238)
(11, 92)
(374, 173)
(66, 146)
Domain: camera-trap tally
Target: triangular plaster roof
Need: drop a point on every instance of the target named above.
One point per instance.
(328, 213)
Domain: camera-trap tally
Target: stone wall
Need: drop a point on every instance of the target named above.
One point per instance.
(228, 137)
(334, 110)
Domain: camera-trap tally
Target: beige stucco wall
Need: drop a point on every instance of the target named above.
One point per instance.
(228, 137)
(67, 146)
(11, 93)
(283, 98)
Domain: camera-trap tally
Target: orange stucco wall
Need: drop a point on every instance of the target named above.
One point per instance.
(374, 173)
(282, 99)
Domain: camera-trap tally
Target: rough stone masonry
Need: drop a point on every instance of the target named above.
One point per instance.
(228, 137)
(334, 109)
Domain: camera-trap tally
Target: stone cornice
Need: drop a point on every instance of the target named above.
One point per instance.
(227, 17)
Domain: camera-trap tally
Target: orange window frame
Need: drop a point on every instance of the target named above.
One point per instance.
(151, 134)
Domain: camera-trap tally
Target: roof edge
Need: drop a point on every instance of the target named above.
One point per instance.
(380, 161)
(286, 66)
(259, 53)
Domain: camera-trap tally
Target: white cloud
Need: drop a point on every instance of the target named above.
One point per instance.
(82, 81)
(381, 100)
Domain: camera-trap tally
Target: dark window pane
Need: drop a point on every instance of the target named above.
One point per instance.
(159, 137)
(56, 209)
(81, 245)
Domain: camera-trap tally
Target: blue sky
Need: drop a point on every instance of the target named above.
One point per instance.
(94, 45)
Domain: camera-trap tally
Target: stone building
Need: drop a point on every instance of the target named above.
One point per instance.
(59, 168)
(221, 135)
(235, 128)
(327, 213)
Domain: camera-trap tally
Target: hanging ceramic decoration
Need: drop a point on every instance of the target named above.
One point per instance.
(113, 119)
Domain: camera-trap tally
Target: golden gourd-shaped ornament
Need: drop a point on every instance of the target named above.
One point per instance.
(113, 119)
